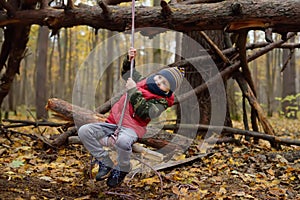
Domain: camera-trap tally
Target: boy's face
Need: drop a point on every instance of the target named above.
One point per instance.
(162, 83)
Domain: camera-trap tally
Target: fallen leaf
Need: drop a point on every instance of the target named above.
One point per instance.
(150, 181)
(46, 178)
(16, 163)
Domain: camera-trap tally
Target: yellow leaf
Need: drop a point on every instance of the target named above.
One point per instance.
(222, 190)
(271, 172)
(179, 157)
(83, 198)
(64, 179)
(183, 190)
(231, 161)
(150, 181)
(10, 173)
(237, 149)
(203, 191)
(276, 182)
(62, 151)
(177, 178)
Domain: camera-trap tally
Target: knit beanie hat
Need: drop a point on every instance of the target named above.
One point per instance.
(174, 75)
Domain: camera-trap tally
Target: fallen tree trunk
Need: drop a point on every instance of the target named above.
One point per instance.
(82, 116)
(225, 129)
(281, 16)
(147, 153)
(73, 113)
(160, 143)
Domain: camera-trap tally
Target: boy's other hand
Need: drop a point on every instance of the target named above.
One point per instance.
(131, 53)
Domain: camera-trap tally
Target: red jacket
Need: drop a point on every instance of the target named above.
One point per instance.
(131, 120)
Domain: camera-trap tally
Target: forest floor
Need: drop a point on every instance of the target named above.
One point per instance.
(28, 170)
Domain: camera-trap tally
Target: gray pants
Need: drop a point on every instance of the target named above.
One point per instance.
(90, 135)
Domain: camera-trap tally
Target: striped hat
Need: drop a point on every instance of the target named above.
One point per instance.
(174, 75)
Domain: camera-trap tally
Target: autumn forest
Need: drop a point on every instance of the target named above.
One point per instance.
(234, 129)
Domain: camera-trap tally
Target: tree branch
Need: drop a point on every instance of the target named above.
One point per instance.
(227, 72)
(225, 129)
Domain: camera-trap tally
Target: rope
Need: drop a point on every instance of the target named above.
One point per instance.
(132, 34)
(115, 135)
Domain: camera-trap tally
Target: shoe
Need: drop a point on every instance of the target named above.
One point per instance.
(105, 166)
(117, 176)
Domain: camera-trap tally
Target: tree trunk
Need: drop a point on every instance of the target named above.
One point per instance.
(52, 85)
(110, 69)
(195, 78)
(269, 88)
(73, 113)
(13, 52)
(289, 85)
(41, 73)
(71, 66)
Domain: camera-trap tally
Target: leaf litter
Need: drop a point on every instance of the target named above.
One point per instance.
(29, 170)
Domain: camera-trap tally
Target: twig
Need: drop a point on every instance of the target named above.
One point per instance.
(120, 194)
(43, 139)
(6, 131)
(35, 123)
(287, 60)
(118, 190)
(155, 171)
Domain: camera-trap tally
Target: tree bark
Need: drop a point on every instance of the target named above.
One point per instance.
(289, 85)
(41, 74)
(70, 112)
(270, 138)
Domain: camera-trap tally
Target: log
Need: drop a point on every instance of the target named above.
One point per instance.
(147, 153)
(159, 144)
(63, 138)
(70, 112)
(83, 116)
(281, 16)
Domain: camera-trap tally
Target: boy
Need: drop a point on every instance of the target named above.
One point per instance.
(148, 98)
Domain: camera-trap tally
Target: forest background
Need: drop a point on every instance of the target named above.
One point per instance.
(49, 69)
(276, 74)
